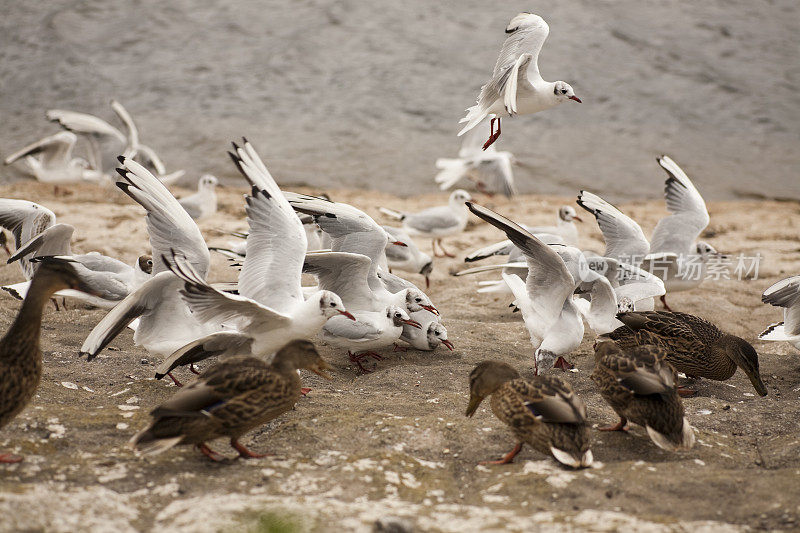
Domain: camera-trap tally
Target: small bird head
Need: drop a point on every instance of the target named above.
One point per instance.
(704, 249)
(745, 356)
(145, 264)
(485, 379)
(207, 181)
(399, 317)
(563, 92)
(567, 213)
(625, 304)
(416, 300)
(330, 304)
(437, 334)
(460, 197)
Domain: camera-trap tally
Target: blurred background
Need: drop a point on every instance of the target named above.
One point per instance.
(348, 93)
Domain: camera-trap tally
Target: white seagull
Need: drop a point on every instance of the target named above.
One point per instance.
(203, 203)
(786, 294)
(55, 162)
(407, 258)
(436, 222)
(516, 87)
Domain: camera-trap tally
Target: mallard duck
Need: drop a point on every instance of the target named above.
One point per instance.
(694, 346)
(640, 385)
(20, 356)
(544, 412)
(229, 399)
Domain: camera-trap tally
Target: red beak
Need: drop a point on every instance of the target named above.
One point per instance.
(348, 315)
(448, 344)
(399, 243)
(576, 99)
(413, 323)
(430, 308)
(576, 217)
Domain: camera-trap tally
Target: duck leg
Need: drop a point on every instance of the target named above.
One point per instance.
(10, 458)
(304, 390)
(664, 301)
(445, 252)
(507, 458)
(686, 392)
(208, 452)
(563, 364)
(493, 135)
(619, 426)
(244, 453)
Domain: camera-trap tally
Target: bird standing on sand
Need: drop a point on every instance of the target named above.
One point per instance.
(694, 346)
(20, 355)
(516, 87)
(544, 412)
(229, 399)
(436, 222)
(203, 203)
(641, 386)
(786, 294)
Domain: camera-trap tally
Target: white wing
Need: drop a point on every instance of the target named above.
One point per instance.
(344, 274)
(549, 282)
(52, 241)
(85, 123)
(53, 149)
(169, 225)
(25, 220)
(677, 233)
(276, 244)
(625, 240)
(133, 132)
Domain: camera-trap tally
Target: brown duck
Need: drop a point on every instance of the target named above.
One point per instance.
(20, 356)
(544, 412)
(694, 346)
(229, 399)
(641, 386)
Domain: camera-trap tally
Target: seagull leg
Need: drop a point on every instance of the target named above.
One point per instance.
(494, 135)
(481, 186)
(304, 390)
(664, 301)
(619, 426)
(193, 370)
(174, 380)
(208, 452)
(10, 458)
(357, 360)
(55, 303)
(374, 355)
(398, 348)
(563, 364)
(507, 458)
(64, 303)
(244, 453)
(445, 252)
(435, 250)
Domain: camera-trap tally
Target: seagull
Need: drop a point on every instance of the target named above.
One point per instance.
(490, 170)
(516, 87)
(203, 203)
(429, 336)
(55, 163)
(270, 309)
(436, 222)
(624, 238)
(675, 256)
(165, 322)
(545, 299)
(786, 294)
(110, 279)
(407, 258)
(369, 331)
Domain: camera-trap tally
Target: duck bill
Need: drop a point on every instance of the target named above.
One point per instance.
(576, 99)
(448, 344)
(347, 314)
(474, 402)
(413, 323)
(430, 308)
(755, 379)
(399, 243)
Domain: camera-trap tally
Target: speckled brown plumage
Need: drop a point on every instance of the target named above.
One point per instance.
(229, 399)
(641, 386)
(20, 356)
(694, 346)
(544, 412)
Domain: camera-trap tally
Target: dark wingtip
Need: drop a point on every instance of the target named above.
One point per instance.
(122, 172)
(121, 159)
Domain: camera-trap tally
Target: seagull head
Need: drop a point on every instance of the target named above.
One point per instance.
(400, 317)
(330, 304)
(417, 300)
(567, 213)
(207, 181)
(437, 334)
(563, 91)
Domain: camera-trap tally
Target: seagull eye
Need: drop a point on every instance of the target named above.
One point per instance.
(563, 91)
(333, 304)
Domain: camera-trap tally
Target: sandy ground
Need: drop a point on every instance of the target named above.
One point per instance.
(395, 442)
(348, 93)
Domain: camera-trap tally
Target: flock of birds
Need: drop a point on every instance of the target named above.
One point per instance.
(260, 327)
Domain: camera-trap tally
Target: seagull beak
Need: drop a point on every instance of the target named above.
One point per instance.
(573, 97)
(448, 344)
(576, 217)
(320, 368)
(348, 315)
(431, 308)
(399, 243)
(413, 323)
